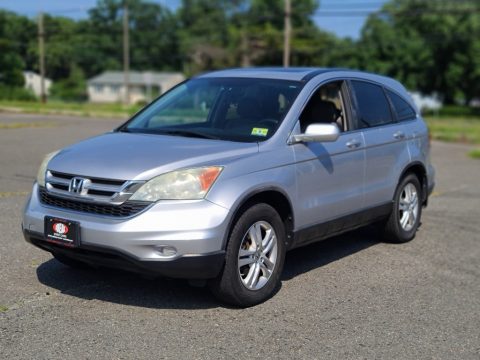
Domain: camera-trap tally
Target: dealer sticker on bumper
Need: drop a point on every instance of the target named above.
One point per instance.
(61, 231)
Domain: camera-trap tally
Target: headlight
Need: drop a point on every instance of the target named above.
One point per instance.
(188, 184)
(43, 167)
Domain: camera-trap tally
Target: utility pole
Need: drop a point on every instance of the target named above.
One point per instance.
(41, 54)
(244, 48)
(126, 54)
(287, 33)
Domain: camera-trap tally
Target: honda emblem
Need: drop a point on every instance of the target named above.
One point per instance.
(78, 186)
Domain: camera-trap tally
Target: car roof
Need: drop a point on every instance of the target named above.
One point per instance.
(303, 74)
(290, 73)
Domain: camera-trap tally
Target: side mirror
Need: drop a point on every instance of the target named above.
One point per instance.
(318, 133)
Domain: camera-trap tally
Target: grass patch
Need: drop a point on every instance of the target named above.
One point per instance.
(3, 308)
(474, 154)
(455, 129)
(65, 108)
(449, 111)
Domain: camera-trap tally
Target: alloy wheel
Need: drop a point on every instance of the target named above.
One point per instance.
(257, 255)
(408, 207)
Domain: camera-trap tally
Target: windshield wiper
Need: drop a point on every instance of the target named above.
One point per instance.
(188, 133)
(175, 132)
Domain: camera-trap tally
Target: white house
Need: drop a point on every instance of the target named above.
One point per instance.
(33, 83)
(143, 86)
(427, 102)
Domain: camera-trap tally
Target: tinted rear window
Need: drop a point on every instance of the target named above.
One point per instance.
(403, 110)
(372, 105)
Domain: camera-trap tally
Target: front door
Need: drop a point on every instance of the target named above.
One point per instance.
(329, 174)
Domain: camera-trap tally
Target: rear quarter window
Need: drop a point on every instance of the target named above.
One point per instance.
(372, 105)
(403, 110)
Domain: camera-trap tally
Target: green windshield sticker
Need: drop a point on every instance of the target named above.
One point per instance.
(259, 131)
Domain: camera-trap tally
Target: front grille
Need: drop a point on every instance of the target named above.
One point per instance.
(113, 182)
(107, 191)
(126, 209)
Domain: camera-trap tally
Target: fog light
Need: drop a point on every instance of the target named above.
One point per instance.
(165, 250)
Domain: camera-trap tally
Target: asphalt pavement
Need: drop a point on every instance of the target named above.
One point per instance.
(349, 297)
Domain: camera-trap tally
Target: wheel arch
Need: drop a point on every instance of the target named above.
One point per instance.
(419, 170)
(272, 196)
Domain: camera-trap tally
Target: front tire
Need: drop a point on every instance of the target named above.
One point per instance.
(254, 258)
(404, 220)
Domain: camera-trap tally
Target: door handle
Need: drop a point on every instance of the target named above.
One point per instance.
(399, 135)
(352, 144)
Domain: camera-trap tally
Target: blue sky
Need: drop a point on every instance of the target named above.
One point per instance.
(342, 17)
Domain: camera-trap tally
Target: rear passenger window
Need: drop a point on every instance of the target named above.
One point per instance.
(372, 105)
(403, 110)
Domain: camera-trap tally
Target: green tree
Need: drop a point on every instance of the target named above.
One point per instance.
(265, 20)
(60, 43)
(220, 33)
(153, 37)
(203, 34)
(433, 46)
(11, 61)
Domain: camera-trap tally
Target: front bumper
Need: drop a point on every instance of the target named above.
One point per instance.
(204, 266)
(195, 228)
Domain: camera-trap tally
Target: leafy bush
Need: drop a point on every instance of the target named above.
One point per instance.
(72, 88)
(16, 93)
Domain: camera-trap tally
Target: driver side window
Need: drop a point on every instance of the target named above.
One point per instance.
(325, 106)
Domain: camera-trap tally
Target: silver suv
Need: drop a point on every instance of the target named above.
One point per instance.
(223, 174)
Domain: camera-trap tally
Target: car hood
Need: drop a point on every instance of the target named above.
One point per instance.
(127, 156)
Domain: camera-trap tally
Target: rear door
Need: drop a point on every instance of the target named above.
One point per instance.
(386, 149)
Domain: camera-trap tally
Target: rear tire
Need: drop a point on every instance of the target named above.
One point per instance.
(254, 258)
(404, 220)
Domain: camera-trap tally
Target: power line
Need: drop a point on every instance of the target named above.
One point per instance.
(348, 5)
(409, 13)
(70, 11)
(49, 12)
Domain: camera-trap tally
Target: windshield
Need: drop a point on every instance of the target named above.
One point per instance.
(235, 109)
